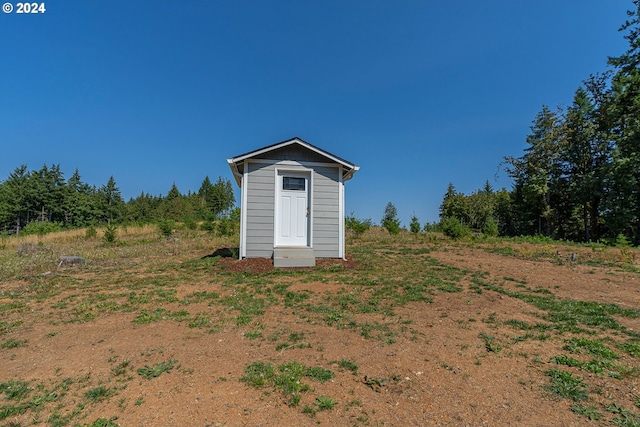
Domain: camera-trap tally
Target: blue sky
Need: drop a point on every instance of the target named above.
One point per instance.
(417, 93)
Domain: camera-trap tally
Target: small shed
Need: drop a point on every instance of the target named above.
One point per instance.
(292, 202)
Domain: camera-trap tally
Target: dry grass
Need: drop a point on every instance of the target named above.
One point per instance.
(33, 254)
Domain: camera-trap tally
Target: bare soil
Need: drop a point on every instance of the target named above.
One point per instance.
(436, 371)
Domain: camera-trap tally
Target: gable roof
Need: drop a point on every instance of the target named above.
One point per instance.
(234, 162)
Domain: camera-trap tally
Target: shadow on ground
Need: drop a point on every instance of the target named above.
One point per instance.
(224, 253)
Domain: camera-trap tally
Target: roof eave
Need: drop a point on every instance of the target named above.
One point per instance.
(349, 174)
(295, 140)
(234, 170)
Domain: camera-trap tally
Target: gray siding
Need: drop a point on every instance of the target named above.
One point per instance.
(260, 209)
(326, 215)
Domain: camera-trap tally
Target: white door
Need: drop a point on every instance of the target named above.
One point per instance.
(292, 209)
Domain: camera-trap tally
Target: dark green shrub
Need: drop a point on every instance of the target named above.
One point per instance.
(415, 225)
(432, 227)
(208, 225)
(453, 228)
(166, 227)
(41, 228)
(235, 215)
(620, 242)
(90, 233)
(110, 234)
(390, 219)
(190, 224)
(225, 226)
(490, 228)
(358, 226)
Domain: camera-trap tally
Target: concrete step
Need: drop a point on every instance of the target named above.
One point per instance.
(293, 257)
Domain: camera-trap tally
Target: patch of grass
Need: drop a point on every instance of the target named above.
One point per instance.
(19, 391)
(246, 302)
(378, 331)
(14, 305)
(179, 316)
(13, 410)
(595, 366)
(568, 315)
(198, 297)
(331, 316)
(98, 394)
(294, 299)
(630, 348)
(491, 319)
(13, 343)
(258, 374)
(599, 366)
(308, 410)
(286, 378)
(252, 335)
(531, 336)
(449, 287)
(150, 372)
(566, 385)
(349, 365)
(166, 295)
(295, 341)
(588, 412)
(201, 320)
(566, 360)
(587, 346)
(625, 418)
(103, 422)
(145, 317)
(15, 390)
(518, 324)
(318, 373)
(325, 403)
(243, 319)
(489, 342)
(121, 368)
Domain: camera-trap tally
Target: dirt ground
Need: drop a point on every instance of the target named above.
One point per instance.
(438, 372)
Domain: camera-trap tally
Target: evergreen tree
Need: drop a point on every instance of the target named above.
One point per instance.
(17, 197)
(587, 153)
(623, 201)
(454, 205)
(111, 202)
(173, 193)
(143, 208)
(79, 202)
(414, 226)
(538, 171)
(390, 219)
(221, 199)
(49, 185)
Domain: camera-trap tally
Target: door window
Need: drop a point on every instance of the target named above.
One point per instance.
(293, 183)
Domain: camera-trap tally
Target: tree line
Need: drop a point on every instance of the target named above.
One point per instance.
(579, 177)
(44, 200)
